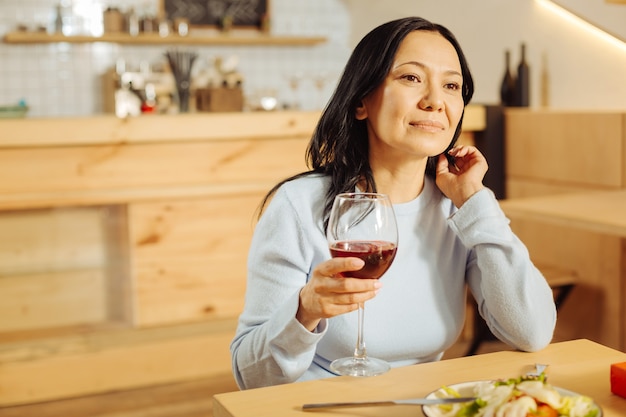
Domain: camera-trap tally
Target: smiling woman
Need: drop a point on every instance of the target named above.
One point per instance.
(419, 98)
(391, 127)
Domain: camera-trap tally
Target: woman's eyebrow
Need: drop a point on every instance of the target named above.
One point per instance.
(421, 65)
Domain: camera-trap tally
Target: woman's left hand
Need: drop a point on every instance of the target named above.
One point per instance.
(463, 179)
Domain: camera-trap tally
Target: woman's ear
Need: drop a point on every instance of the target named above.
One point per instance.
(361, 112)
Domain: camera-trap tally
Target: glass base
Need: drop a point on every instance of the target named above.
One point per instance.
(359, 366)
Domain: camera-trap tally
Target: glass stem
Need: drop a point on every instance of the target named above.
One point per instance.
(359, 351)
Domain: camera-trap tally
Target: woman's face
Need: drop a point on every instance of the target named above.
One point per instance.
(415, 111)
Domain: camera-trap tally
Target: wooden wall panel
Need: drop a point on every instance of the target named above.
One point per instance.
(190, 257)
(53, 268)
(52, 299)
(34, 241)
(583, 148)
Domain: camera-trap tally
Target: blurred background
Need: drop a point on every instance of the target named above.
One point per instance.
(64, 79)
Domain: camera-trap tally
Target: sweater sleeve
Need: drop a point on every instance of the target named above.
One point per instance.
(270, 346)
(512, 295)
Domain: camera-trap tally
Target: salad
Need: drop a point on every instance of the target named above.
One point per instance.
(526, 396)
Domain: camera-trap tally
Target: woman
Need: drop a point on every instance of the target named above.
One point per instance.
(390, 127)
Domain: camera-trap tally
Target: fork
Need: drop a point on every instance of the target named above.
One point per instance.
(539, 369)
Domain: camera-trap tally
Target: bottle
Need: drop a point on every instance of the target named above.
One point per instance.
(264, 24)
(226, 23)
(522, 90)
(132, 22)
(507, 87)
(58, 19)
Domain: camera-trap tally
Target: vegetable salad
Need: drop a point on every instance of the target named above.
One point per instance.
(527, 396)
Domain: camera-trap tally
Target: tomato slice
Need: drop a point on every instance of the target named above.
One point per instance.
(544, 410)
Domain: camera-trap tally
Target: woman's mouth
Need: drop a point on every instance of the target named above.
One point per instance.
(428, 125)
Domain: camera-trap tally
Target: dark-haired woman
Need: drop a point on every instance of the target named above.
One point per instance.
(390, 127)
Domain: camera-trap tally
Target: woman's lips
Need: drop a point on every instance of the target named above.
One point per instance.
(428, 125)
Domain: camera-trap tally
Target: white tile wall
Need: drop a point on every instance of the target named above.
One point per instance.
(65, 79)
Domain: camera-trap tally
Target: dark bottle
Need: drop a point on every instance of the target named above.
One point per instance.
(522, 90)
(507, 88)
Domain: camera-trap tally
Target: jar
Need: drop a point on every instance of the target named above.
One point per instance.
(148, 24)
(181, 26)
(113, 20)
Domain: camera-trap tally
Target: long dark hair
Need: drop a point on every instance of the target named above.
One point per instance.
(339, 147)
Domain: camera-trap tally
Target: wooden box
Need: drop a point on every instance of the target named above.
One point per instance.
(221, 99)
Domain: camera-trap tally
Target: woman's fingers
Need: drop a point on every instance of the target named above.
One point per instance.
(335, 266)
(336, 270)
(328, 294)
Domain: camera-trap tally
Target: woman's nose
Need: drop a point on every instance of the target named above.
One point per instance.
(431, 100)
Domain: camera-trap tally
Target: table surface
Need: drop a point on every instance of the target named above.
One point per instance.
(596, 211)
(581, 366)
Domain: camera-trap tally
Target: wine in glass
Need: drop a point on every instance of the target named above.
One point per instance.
(362, 225)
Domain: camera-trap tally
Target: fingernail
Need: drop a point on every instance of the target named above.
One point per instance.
(357, 262)
(378, 284)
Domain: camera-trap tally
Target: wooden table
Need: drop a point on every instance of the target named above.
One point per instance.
(597, 211)
(579, 365)
(602, 212)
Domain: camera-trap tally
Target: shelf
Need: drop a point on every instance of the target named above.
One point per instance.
(217, 38)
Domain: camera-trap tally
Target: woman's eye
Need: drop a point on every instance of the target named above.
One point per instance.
(411, 78)
(453, 86)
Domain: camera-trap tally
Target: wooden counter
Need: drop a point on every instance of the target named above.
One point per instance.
(106, 160)
(596, 211)
(109, 130)
(124, 243)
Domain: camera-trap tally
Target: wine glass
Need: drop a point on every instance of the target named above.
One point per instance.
(362, 225)
(295, 80)
(320, 80)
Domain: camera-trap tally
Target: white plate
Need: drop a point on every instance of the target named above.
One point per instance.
(466, 389)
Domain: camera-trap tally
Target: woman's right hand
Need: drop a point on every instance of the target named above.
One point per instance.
(328, 294)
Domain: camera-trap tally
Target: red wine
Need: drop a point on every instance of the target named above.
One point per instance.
(376, 254)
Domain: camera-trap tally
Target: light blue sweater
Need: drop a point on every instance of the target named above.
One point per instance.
(420, 310)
